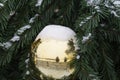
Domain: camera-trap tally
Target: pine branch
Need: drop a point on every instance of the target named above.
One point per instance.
(107, 70)
(82, 69)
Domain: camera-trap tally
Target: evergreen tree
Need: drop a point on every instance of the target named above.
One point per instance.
(96, 22)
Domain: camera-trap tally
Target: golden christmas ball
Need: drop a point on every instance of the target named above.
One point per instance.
(53, 48)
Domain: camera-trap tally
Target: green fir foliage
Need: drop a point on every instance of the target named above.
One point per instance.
(96, 24)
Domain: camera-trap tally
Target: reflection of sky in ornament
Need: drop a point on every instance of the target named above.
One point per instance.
(51, 49)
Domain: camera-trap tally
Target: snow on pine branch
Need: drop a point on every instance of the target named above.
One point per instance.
(27, 72)
(86, 38)
(97, 8)
(6, 44)
(33, 18)
(117, 3)
(115, 14)
(22, 29)
(27, 64)
(12, 13)
(78, 57)
(114, 5)
(113, 8)
(39, 2)
(1, 4)
(92, 2)
(15, 38)
(97, 2)
(84, 21)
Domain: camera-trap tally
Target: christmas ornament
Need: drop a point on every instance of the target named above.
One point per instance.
(53, 48)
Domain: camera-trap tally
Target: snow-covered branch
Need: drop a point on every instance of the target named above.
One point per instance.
(86, 38)
(92, 2)
(117, 3)
(112, 8)
(84, 21)
(115, 14)
(22, 29)
(27, 64)
(33, 18)
(39, 2)
(78, 57)
(15, 38)
(12, 13)
(97, 8)
(1, 4)
(27, 61)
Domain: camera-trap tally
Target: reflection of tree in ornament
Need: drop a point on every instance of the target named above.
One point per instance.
(35, 45)
(57, 59)
(34, 48)
(65, 59)
(71, 46)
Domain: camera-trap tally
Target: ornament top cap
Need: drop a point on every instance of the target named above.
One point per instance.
(56, 32)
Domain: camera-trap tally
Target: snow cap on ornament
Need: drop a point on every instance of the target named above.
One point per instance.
(53, 52)
(57, 32)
